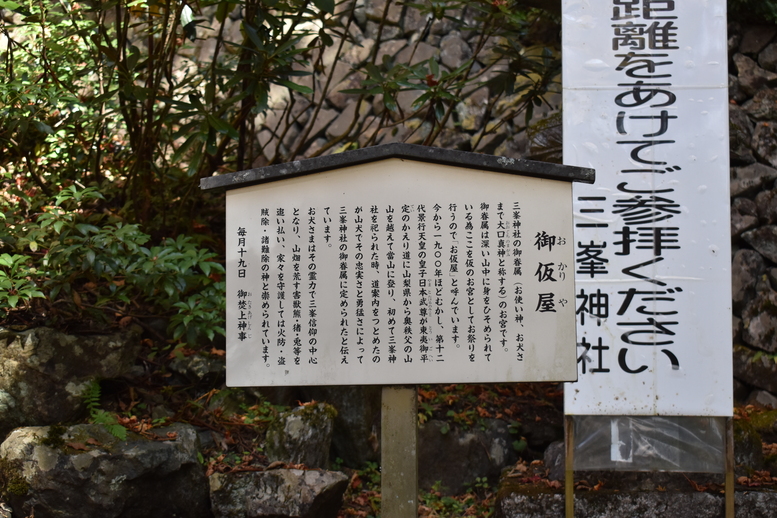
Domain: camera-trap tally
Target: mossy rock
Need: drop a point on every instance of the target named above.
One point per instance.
(764, 421)
(748, 451)
(12, 483)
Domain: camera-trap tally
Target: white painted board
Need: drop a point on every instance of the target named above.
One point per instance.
(646, 105)
(400, 272)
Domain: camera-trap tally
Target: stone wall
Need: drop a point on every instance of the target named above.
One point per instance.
(329, 120)
(753, 142)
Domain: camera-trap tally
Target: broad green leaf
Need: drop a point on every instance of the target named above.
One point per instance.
(15, 7)
(223, 10)
(43, 128)
(294, 86)
(222, 126)
(328, 6)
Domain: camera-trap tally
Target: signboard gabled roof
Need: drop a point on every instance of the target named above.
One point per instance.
(435, 155)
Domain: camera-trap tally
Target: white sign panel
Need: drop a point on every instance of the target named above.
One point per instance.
(400, 272)
(646, 105)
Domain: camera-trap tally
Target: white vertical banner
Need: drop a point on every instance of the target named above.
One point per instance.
(646, 105)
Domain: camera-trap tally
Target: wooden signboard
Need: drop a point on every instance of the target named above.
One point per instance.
(400, 264)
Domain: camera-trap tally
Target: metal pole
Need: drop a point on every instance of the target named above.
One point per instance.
(730, 491)
(398, 451)
(569, 466)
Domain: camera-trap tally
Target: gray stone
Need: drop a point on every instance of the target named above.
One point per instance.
(420, 130)
(747, 266)
(414, 54)
(472, 109)
(413, 21)
(766, 206)
(755, 368)
(5, 510)
(390, 48)
(734, 37)
(741, 222)
(764, 240)
(43, 372)
(356, 33)
(756, 37)
(735, 91)
(357, 425)
(555, 460)
(455, 457)
(762, 398)
(609, 504)
(376, 8)
(360, 13)
(759, 321)
(453, 139)
(343, 121)
(405, 100)
(389, 32)
(454, 51)
(198, 367)
(341, 100)
(323, 119)
(745, 206)
(752, 77)
(89, 473)
(302, 436)
(443, 26)
(279, 493)
(772, 275)
(765, 142)
(740, 136)
(750, 179)
(768, 58)
(763, 105)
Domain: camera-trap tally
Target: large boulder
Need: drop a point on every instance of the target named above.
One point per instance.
(759, 320)
(43, 372)
(454, 457)
(754, 368)
(85, 471)
(356, 439)
(747, 268)
(764, 240)
(302, 436)
(280, 493)
(750, 179)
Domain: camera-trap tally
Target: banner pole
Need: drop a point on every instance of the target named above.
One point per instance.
(569, 466)
(729, 491)
(398, 451)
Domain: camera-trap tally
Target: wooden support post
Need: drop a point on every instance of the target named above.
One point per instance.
(569, 466)
(398, 451)
(730, 491)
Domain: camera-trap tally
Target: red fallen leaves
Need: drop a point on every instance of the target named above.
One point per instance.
(758, 479)
(584, 485)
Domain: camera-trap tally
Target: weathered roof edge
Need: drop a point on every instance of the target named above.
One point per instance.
(405, 151)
